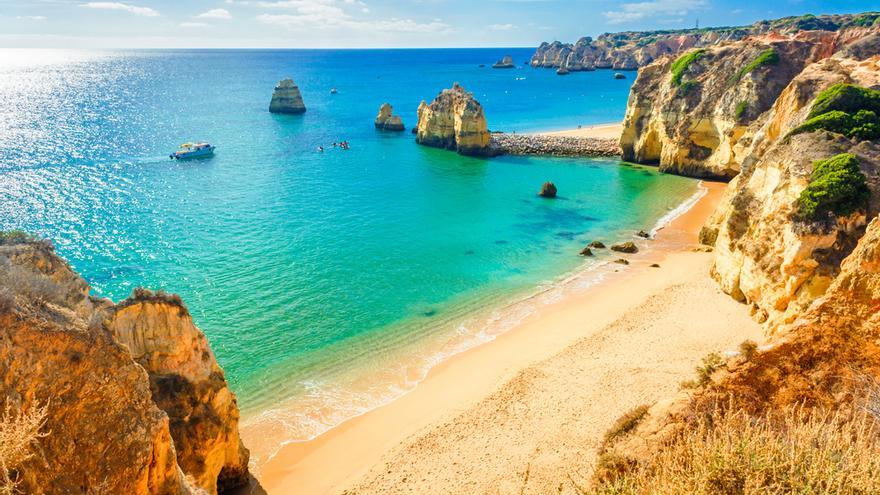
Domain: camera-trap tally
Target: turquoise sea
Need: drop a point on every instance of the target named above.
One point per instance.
(326, 282)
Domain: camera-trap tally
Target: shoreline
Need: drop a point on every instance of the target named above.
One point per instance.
(609, 130)
(339, 456)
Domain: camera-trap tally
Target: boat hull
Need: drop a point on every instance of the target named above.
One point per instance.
(187, 155)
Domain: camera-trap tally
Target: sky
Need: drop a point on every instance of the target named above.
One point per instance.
(368, 23)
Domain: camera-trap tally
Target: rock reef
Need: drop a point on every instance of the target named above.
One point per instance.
(387, 121)
(286, 98)
(135, 401)
(505, 63)
(454, 121)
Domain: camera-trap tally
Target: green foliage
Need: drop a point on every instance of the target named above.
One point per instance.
(687, 86)
(682, 63)
(837, 186)
(740, 110)
(711, 363)
(768, 57)
(864, 125)
(847, 98)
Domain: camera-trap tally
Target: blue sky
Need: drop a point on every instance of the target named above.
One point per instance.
(367, 23)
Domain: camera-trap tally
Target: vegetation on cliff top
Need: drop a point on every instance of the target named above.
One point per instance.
(768, 57)
(682, 63)
(20, 432)
(845, 109)
(837, 186)
(732, 452)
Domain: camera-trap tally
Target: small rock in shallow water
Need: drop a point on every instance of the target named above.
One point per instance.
(625, 247)
(586, 252)
(643, 234)
(621, 261)
(655, 265)
(548, 190)
(596, 245)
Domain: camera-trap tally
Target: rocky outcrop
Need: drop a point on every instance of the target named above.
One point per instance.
(505, 63)
(99, 368)
(387, 121)
(631, 50)
(286, 98)
(696, 120)
(762, 256)
(548, 190)
(455, 121)
(625, 247)
(186, 383)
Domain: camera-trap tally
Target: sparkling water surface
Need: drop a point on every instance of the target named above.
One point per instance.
(320, 278)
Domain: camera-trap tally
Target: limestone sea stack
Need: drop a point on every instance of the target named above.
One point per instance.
(454, 121)
(387, 121)
(286, 98)
(504, 63)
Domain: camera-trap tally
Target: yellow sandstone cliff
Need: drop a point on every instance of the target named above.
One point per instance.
(454, 121)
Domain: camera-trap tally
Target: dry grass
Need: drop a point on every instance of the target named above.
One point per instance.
(625, 424)
(747, 349)
(19, 433)
(800, 451)
(32, 287)
(711, 363)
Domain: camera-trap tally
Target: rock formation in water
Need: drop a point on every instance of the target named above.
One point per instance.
(631, 50)
(548, 190)
(286, 98)
(504, 63)
(455, 121)
(386, 120)
(135, 402)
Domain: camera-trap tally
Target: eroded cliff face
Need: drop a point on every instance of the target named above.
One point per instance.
(111, 376)
(186, 383)
(698, 121)
(455, 121)
(762, 256)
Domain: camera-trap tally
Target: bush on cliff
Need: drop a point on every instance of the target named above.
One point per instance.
(682, 63)
(837, 186)
(740, 110)
(767, 57)
(847, 98)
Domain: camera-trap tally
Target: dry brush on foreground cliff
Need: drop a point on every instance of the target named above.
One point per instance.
(91, 381)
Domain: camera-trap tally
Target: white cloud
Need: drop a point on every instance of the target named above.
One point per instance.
(134, 9)
(31, 17)
(332, 14)
(193, 24)
(502, 27)
(644, 10)
(215, 14)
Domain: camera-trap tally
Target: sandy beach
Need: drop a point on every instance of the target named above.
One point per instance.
(601, 131)
(525, 413)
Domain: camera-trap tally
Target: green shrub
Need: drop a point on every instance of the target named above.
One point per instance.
(864, 125)
(767, 57)
(741, 108)
(687, 86)
(711, 363)
(682, 63)
(847, 98)
(837, 186)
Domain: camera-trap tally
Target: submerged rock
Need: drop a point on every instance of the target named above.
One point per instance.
(286, 98)
(625, 247)
(385, 120)
(548, 190)
(455, 121)
(504, 63)
(586, 252)
(596, 245)
(643, 234)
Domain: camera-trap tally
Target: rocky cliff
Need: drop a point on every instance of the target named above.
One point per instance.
(135, 401)
(634, 49)
(286, 98)
(455, 121)
(386, 120)
(696, 114)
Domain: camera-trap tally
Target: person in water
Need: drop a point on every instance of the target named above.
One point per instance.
(321, 149)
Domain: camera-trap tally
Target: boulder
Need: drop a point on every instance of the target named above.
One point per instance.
(621, 261)
(548, 190)
(643, 234)
(625, 247)
(562, 71)
(586, 252)
(455, 121)
(596, 245)
(385, 120)
(619, 75)
(286, 98)
(504, 63)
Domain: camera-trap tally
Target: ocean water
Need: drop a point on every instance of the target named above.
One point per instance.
(327, 282)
